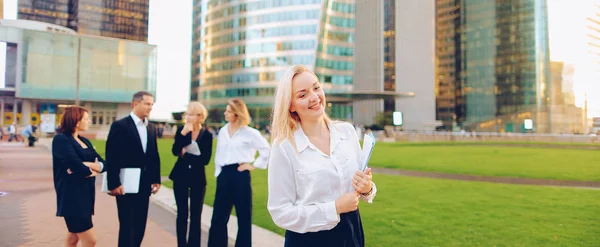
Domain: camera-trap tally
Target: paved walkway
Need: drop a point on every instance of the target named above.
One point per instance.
(491, 179)
(162, 212)
(28, 205)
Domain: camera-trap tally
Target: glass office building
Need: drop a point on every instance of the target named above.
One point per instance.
(241, 49)
(389, 52)
(493, 68)
(124, 19)
(335, 52)
(48, 70)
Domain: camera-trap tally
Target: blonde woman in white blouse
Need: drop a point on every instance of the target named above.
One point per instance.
(234, 159)
(315, 183)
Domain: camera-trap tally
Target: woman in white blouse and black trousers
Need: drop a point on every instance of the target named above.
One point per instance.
(236, 148)
(315, 181)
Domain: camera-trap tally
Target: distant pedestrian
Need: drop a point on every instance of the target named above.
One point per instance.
(12, 131)
(28, 133)
(160, 130)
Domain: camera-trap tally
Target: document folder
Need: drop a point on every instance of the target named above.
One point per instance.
(130, 179)
(367, 150)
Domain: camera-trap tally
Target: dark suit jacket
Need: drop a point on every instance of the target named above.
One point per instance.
(124, 150)
(75, 193)
(181, 171)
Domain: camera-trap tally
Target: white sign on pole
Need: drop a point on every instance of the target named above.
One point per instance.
(528, 124)
(48, 123)
(397, 118)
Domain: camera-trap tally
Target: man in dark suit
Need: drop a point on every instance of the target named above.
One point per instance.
(131, 143)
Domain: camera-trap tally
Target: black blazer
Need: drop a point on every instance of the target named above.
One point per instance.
(124, 150)
(75, 193)
(181, 171)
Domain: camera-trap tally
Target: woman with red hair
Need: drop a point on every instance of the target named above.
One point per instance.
(75, 164)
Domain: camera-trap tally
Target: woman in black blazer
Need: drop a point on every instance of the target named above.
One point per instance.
(75, 164)
(193, 147)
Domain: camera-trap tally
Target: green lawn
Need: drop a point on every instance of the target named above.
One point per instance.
(429, 212)
(487, 143)
(530, 162)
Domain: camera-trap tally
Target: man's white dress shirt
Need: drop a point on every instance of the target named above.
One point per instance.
(241, 148)
(142, 128)
(304, 182)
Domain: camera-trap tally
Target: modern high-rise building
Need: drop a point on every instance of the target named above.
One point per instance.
(565, 117)
(394, 54)
(567, 84)
(493, 68)
(556, 78)
(50, 67)
(124, 19)
(241, 49)
(334, 61)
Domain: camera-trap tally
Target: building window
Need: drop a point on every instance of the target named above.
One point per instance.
(100, 118)
(94, 118)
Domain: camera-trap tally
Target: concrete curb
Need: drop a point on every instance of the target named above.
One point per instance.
(260, 236)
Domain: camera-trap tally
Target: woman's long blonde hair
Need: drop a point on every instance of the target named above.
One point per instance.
(284, 123)
(238, 107)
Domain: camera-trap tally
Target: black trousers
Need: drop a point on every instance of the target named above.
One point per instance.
(348, 233)
(233, 189)
(31, 140)
(133, 213)
(195, 192)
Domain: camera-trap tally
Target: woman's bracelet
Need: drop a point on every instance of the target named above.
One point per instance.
(368, 193)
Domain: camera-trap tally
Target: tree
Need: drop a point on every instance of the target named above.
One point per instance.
(384, 118)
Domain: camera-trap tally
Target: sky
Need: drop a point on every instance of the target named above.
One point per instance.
(567, 27)
(170, 25)
(171, 30)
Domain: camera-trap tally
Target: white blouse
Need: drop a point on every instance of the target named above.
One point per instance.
(241, 148)
(304, 184)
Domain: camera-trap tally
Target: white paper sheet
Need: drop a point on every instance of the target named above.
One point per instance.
(192, 148)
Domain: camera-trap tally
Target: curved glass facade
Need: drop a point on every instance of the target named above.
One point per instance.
(241, 49)
(335, 51)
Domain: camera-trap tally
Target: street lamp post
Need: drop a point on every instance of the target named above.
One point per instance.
(585, 114)
(77, 70)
